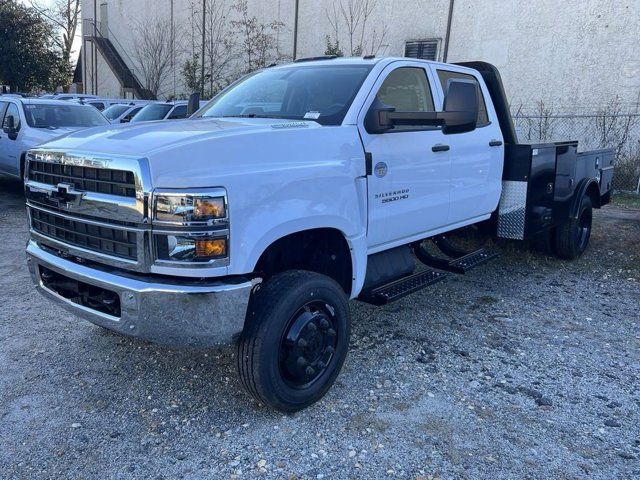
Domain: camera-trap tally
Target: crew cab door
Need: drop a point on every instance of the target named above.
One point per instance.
(477, 157)
(408, 186)
(10, 148)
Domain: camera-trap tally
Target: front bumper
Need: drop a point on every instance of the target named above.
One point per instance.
(173, 313)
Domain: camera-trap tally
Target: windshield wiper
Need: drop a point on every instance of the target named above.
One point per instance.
(244, 115)
(250, 115)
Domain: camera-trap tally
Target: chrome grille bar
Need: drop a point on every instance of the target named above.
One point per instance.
(91, 207)
(121, 243)
(87, 179)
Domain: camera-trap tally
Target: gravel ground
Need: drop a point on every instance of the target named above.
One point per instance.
(526, 368)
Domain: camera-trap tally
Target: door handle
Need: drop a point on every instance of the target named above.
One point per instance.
(495, 143)
(440, 148)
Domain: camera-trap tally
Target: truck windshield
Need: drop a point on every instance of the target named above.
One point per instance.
(320, 93)
(60, 116)
(114, 111)
(156, 111)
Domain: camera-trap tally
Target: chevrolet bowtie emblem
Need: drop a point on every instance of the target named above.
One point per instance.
(65, 195)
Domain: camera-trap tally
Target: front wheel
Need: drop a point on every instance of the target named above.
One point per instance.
(295, 340)
(572, 237)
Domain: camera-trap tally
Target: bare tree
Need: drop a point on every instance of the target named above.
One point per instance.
(258, 40)
(152, 52)
(64, 15)
(353, 18)
(614, 124)
(219, 45)
(539, 126)
(220, 49)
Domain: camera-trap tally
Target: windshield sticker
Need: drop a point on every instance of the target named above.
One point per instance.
(291, 125)
(312, 115)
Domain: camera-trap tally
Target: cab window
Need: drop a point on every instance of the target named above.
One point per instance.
(445, 75)
(179, 112)
(407, 89)
(129, 116)
(12, 111)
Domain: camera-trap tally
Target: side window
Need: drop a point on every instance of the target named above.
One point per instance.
(407, 89)
(179, 112)
(445, 75)
(98, 105)
(3, 108)
(12, 111)
(130, 115)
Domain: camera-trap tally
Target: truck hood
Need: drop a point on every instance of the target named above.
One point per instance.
(149, 138)
(41, 135)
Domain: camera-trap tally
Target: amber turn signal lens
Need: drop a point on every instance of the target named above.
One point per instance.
(211, 248)
(208, 207)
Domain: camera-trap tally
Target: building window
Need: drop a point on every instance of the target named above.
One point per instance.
(424, 49)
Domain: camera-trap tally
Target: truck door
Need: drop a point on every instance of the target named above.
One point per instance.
(408, 188)
(10, 148)
(3, 137)
(476, 157)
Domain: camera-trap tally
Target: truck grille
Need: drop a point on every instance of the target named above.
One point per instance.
(87, 179)
(102, 239)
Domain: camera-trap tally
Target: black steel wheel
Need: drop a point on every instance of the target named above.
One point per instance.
(308, 345)
(572, 237)
(295, 340)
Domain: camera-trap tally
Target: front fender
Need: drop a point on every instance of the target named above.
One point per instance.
(357, 244)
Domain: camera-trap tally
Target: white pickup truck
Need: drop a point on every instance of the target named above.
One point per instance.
(297, 188)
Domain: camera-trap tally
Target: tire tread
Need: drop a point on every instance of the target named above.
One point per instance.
(265, 300)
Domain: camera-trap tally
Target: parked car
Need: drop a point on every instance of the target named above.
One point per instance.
(14, 94)
(28, 122)
(123, 113)
(163, 111)
(104, 103)
(296, 189)
(73, 96)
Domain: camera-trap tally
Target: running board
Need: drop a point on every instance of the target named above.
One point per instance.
(457, 261)
(401, 288)
(472, 260)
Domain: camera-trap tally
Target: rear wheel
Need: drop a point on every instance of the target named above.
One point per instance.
(543, 242)
(572, 237)
(295, 340)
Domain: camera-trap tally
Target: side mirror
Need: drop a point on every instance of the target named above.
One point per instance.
(460, 106)
(194, 103)
(10, 128)
(125, 120)
(377, 119)
(460, 112)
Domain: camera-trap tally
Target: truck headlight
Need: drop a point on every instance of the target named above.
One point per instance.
(191, 227)
(189, 209)
(189, 248)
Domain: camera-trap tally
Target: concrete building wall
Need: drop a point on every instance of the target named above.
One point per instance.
(575, 55)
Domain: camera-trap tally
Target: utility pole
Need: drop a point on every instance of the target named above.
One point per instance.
(445, 54)
(94, 49)
(204, 37)
(295, 30)
(173, 50)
